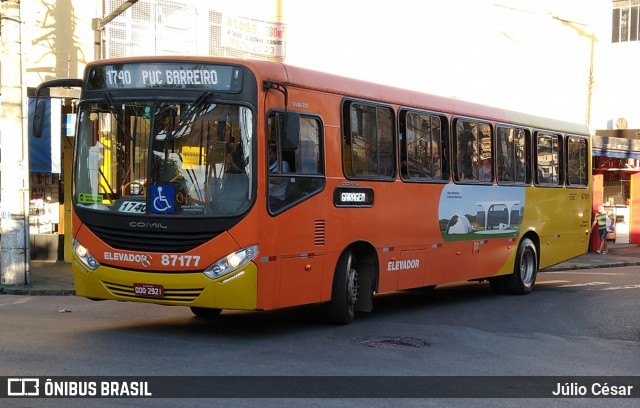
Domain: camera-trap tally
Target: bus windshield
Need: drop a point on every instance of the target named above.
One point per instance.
(164, 158)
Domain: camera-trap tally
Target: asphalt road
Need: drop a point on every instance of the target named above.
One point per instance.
(576, 323)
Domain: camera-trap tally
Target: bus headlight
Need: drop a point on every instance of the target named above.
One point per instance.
(84, 256)
(231, 262)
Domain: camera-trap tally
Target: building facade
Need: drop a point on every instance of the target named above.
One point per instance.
(616, 141)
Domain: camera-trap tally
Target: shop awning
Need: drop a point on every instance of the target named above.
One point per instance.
(616, 147)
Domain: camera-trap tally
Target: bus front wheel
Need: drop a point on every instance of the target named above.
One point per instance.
(205, 312)
(345, 289)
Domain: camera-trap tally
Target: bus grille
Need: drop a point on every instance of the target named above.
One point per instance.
(177, 295)
(151, 241)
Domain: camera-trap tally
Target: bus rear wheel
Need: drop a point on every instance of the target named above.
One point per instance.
(205, 312)
(525, 269)
(498, 284)
(345, 290)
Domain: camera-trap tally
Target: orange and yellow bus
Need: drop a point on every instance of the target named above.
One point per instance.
(250, 185)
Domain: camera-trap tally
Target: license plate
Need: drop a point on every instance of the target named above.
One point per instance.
(148, 290)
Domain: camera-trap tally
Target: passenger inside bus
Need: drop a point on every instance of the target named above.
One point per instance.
(465, 166)
(485, 170)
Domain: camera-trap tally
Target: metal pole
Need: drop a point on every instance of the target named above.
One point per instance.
(98, 24)
(26, 190)
(15, 161)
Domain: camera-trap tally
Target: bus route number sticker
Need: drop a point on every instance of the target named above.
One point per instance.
(135, 207)
(148, 290)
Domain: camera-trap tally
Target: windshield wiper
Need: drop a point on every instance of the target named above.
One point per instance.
(117, 115)
(186, 117)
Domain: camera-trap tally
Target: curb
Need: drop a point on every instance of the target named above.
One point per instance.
(28, 291)
(583, 266)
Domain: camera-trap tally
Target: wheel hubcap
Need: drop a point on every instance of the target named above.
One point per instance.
(352, 285)
(527, 266)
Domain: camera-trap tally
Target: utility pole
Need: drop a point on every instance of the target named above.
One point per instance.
(98, 24)
(584, 32)
(14, 176)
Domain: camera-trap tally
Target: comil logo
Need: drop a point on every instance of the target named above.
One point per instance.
(23, 387)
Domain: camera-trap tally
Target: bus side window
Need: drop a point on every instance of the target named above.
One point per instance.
(308, 154)
(577, 161)
(512, 153)
(368, 141)
(548, 157)
(304, 169)
(465, 134)
(473, 152)
(421, 146)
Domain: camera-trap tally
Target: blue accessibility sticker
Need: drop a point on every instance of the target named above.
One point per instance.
(163, 199)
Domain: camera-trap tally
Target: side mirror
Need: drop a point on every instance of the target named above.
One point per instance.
(40, 105)
(38, 118)
(291, 131)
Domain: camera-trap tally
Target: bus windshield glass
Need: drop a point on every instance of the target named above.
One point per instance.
(164, 158)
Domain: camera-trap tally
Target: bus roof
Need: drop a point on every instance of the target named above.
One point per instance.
(321, 81)
(403, 97)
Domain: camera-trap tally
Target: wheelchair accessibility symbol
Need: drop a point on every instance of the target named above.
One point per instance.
(162, 199)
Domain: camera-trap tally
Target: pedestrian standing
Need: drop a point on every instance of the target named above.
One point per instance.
(601, 221)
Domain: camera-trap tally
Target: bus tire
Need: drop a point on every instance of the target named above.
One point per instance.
(205, 312)
(498, 284)
(525, 269)
(345, 290)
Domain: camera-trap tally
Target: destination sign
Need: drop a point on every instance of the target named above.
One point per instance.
(353, 196)
(165, 75)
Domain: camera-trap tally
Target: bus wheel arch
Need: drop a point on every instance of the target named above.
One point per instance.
(354, 282)
(525, 268)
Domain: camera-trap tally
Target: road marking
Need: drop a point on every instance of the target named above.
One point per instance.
(589, 285)
(14, 302)
(551, 282)
(588, 273)
(637, 286)
(579, 285)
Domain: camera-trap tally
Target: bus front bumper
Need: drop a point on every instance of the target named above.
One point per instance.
(236, 290)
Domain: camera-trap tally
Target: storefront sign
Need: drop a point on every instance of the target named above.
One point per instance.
(254, 36)
(616, 147)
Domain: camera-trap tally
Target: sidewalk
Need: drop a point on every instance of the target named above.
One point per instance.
(56, 278)
(47, 278)
(619, 255)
